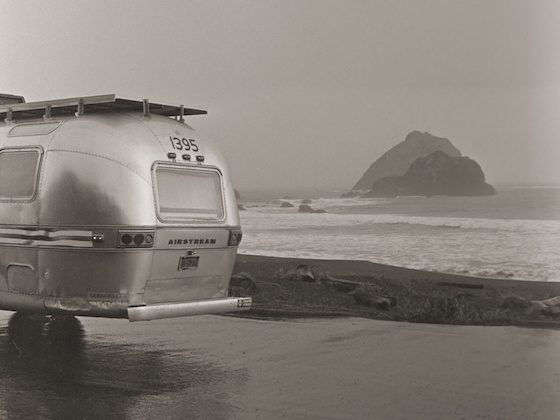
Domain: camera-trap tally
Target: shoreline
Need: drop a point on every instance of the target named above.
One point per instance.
(413, 272)
(285, 288)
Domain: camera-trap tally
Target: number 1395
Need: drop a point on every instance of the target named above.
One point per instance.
(183, 144)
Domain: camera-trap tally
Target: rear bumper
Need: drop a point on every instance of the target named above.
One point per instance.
(173, 310)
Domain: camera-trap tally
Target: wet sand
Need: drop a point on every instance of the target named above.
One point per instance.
(223, 368)
(301, 367)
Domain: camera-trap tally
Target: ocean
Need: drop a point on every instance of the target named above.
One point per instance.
(514, 234)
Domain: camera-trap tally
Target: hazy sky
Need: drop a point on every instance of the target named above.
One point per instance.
(309, 93)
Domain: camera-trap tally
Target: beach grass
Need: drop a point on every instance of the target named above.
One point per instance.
(295, 287)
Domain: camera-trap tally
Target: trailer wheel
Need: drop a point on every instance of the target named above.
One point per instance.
(65, 331)
(25, 330)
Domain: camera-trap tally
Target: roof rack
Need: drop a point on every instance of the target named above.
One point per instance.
(90, 104)
(6, 98)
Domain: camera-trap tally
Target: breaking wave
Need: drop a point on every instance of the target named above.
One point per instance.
(501, 248)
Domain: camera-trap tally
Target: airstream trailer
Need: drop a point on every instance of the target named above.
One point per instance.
(113, 208)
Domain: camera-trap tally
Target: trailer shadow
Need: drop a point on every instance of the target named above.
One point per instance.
(50, 369)
(87, 204)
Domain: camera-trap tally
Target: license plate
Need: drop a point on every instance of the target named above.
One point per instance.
(188, 263)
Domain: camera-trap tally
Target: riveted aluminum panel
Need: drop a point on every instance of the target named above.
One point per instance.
(209, 279)
(79, 189)
(94, 274)
(34, 129)
(166, 132)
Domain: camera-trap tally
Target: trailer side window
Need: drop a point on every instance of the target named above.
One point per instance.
(188, 194)
(18, 174)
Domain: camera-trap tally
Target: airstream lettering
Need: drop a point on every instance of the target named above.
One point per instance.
(114, 208)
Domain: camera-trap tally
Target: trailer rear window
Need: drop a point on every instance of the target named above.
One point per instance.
(189, 194)
(18, 174)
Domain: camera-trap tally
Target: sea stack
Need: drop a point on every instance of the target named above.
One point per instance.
(397, 160)
(436, 174)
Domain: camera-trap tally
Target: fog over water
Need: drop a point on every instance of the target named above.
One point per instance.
(309, 94)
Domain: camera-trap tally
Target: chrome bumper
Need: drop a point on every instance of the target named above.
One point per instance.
(173, 310)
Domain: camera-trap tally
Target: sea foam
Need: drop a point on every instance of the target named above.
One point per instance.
(503, 248)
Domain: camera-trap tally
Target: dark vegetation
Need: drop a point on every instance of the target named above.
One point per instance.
(288, 288)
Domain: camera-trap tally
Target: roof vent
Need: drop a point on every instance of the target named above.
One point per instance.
(11, 99)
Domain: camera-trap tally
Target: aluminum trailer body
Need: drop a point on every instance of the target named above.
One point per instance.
(113, 208)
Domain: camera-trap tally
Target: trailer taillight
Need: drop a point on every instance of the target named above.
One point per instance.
(235, 237)
(136, 239)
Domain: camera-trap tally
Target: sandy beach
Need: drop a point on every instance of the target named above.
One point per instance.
(294, 287)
